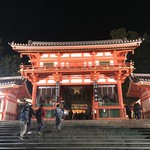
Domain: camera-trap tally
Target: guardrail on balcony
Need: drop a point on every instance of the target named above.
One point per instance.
(76, 67)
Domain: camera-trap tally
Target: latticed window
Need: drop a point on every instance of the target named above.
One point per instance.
(46, 95)
(107, 95)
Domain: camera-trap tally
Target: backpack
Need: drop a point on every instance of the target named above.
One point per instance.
(39, 113)
(24, 113)
(59, 112)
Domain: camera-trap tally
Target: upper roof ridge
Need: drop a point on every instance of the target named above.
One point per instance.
(69, 43)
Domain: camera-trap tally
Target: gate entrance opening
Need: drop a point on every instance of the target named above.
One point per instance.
(78, 100)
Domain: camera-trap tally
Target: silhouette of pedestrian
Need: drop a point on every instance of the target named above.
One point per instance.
(70, 115)
(128, 110)
(40, 115)
(137, 110)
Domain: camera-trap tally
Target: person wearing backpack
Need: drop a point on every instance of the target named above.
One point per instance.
(40, 115)
(24, 118)
(59, 113)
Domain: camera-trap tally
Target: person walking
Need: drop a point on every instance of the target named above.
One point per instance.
(70, 115)
(137, 110)
(40, 115)
(29, 124)
(24, 117)
(129, 110)
(59, 113)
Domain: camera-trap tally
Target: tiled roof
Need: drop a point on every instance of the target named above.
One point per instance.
(76, 46)
(11, 81)
(77, 43)
(137, 81)
(140, 78)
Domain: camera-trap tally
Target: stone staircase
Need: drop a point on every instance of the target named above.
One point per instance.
(80, 134)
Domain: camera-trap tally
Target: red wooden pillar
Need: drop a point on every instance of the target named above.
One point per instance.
(120, 99)
(34, 90)
(58, 79)
(93, 108)
(94, 78)
(97, 110)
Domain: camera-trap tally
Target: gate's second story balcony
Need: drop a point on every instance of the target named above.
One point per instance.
(76, 68)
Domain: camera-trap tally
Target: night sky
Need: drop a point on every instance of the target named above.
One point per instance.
(72, 20)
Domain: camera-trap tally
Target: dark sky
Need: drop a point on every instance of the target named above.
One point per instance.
(53, 20)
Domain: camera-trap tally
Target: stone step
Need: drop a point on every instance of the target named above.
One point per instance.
(77, 148)
(16, 139)
(74, 132)
(75, 144)
(79, 135)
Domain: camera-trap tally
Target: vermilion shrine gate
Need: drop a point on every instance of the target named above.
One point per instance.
(86, 76)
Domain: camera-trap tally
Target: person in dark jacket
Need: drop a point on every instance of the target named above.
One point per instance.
(29, 124)
(40, 115)
(70, 115)
(24, 117)
(128, 110)
(137, 110)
